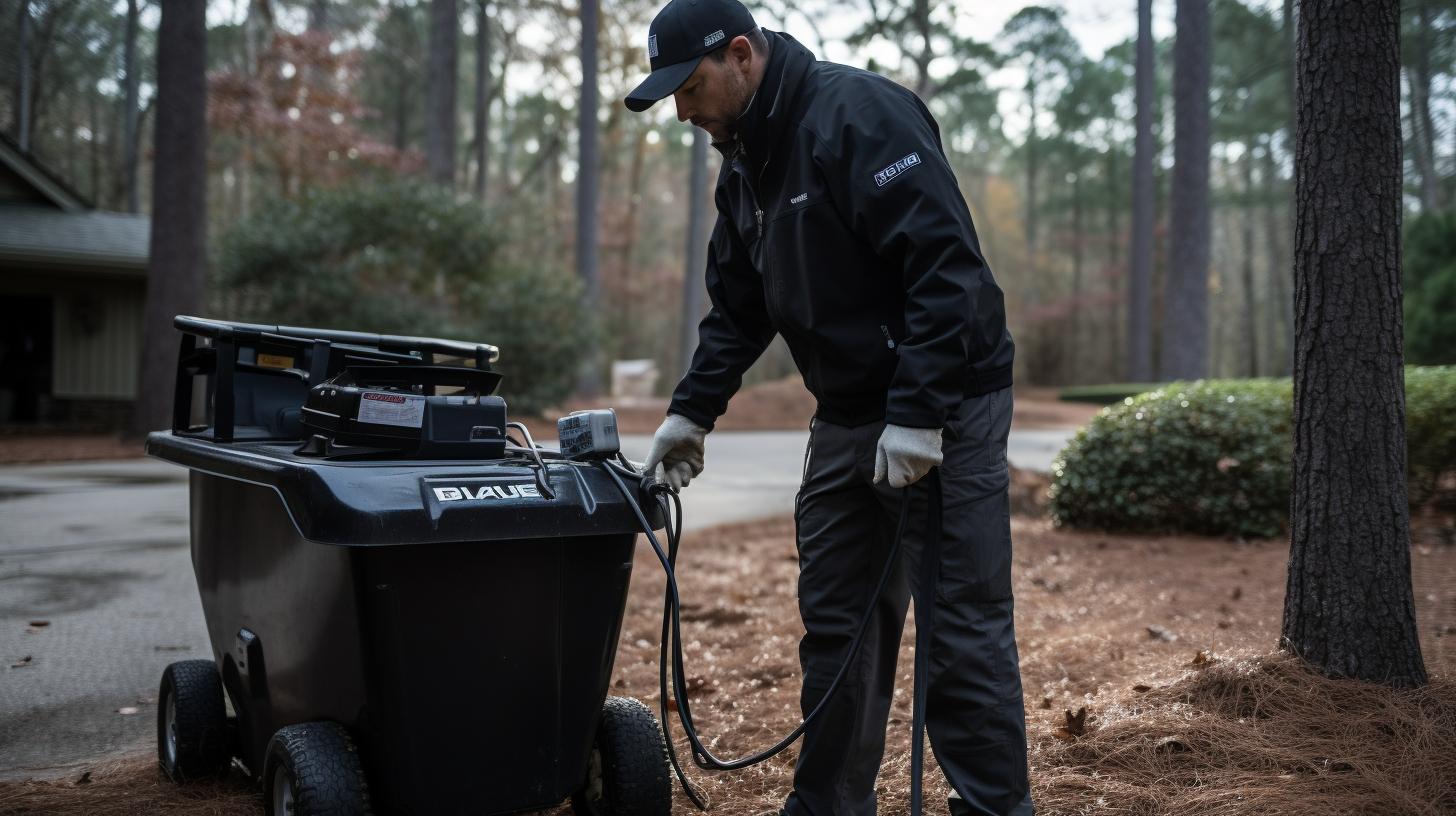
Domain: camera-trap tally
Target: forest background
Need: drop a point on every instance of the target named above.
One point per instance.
(405, 110)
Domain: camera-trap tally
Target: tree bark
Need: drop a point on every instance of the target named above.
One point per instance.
(697, 257)
(318, 15)
(1423, 129)
(1349, 609)
(483, 98)
(586, 184)
(23, 98)
(1140, 273)
(1032, 287)
(440, 91)
(178, 253)
(1074, 328)
(133, 204)
(1251, 309)
(1114, 261)
(1276, 224)
(1185, 312)
(920, 19)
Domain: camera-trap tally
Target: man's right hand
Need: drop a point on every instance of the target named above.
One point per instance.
(677, 451)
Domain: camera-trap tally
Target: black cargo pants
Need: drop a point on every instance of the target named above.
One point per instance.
(846, 527)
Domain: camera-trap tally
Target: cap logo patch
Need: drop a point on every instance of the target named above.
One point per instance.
(652, 46)
(895, 170)
(716, 36)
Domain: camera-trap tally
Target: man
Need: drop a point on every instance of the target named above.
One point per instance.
(841, 226)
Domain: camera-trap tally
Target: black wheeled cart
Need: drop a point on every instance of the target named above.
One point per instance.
(409, 611)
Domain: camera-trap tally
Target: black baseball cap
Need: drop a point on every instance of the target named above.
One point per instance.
(680, 36)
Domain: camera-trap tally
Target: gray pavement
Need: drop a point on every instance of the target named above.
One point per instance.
(99, 553)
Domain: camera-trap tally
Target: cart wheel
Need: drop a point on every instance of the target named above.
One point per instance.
(313, 769)
(628, 771)
(191, 721)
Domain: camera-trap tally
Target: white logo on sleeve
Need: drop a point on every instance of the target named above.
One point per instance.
(895, 170)
(716, 36)
(799, 199)
(652, 46)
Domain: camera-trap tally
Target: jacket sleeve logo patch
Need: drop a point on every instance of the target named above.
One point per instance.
(895, 170)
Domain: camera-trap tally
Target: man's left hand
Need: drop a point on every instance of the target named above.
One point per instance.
(904, 455)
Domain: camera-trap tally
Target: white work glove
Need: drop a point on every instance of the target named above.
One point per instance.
(677, 452)
(906, 454)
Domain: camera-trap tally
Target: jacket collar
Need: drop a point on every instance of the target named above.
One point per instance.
(768, 112)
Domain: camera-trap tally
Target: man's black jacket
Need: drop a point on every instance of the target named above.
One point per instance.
(841, 227)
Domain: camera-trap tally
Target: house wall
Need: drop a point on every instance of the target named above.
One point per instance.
(97, 331)
(98, 337)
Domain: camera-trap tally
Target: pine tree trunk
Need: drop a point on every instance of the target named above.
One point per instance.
(178, 254)
(1074, 331)
(586, 184)
(1185, 310)
(1251, 308)
(318, 15)
(1422, 127)
(1114, 261)
(1349, 609)
(1140, 277)
(132, 81)
(23, 89)
(697, 257)
(1032, 284)
(483, 97)
(440, 91)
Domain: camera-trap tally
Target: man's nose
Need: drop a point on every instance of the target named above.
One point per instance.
(682, 113)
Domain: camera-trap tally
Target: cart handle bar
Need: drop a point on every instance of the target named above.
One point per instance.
(207, 327)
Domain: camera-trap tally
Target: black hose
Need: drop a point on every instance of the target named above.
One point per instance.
(671, 629)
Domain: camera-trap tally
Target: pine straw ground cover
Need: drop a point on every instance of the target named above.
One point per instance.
(1165, 641)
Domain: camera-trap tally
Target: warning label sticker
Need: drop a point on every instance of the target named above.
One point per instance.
(384, 408)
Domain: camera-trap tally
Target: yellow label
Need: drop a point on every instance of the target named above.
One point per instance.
(275, 361)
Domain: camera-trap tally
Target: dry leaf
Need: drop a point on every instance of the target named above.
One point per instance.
(1170, 745)
(1046, 702)
(1201, 659)
(24, 661)
(1076, 726)
(1161, 634)
(1142, 687)
(85, 779)
(40, 623)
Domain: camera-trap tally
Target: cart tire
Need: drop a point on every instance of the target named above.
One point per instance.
(313, 769)
(191, 721)
(628, 774)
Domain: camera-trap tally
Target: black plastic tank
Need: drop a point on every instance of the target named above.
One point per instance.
(455, 618)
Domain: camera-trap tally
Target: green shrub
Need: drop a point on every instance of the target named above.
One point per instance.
(1104, 394)
(398, 258)
(1208, 457)
(1214, 456)
(1428, 277)
(1430, 428)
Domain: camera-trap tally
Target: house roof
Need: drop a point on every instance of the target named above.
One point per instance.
(42, 235)
(43, 221)
(40, 178)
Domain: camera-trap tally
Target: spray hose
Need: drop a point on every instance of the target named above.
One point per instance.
(671, 505)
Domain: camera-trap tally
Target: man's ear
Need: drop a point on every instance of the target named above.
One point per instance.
(740, 52)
